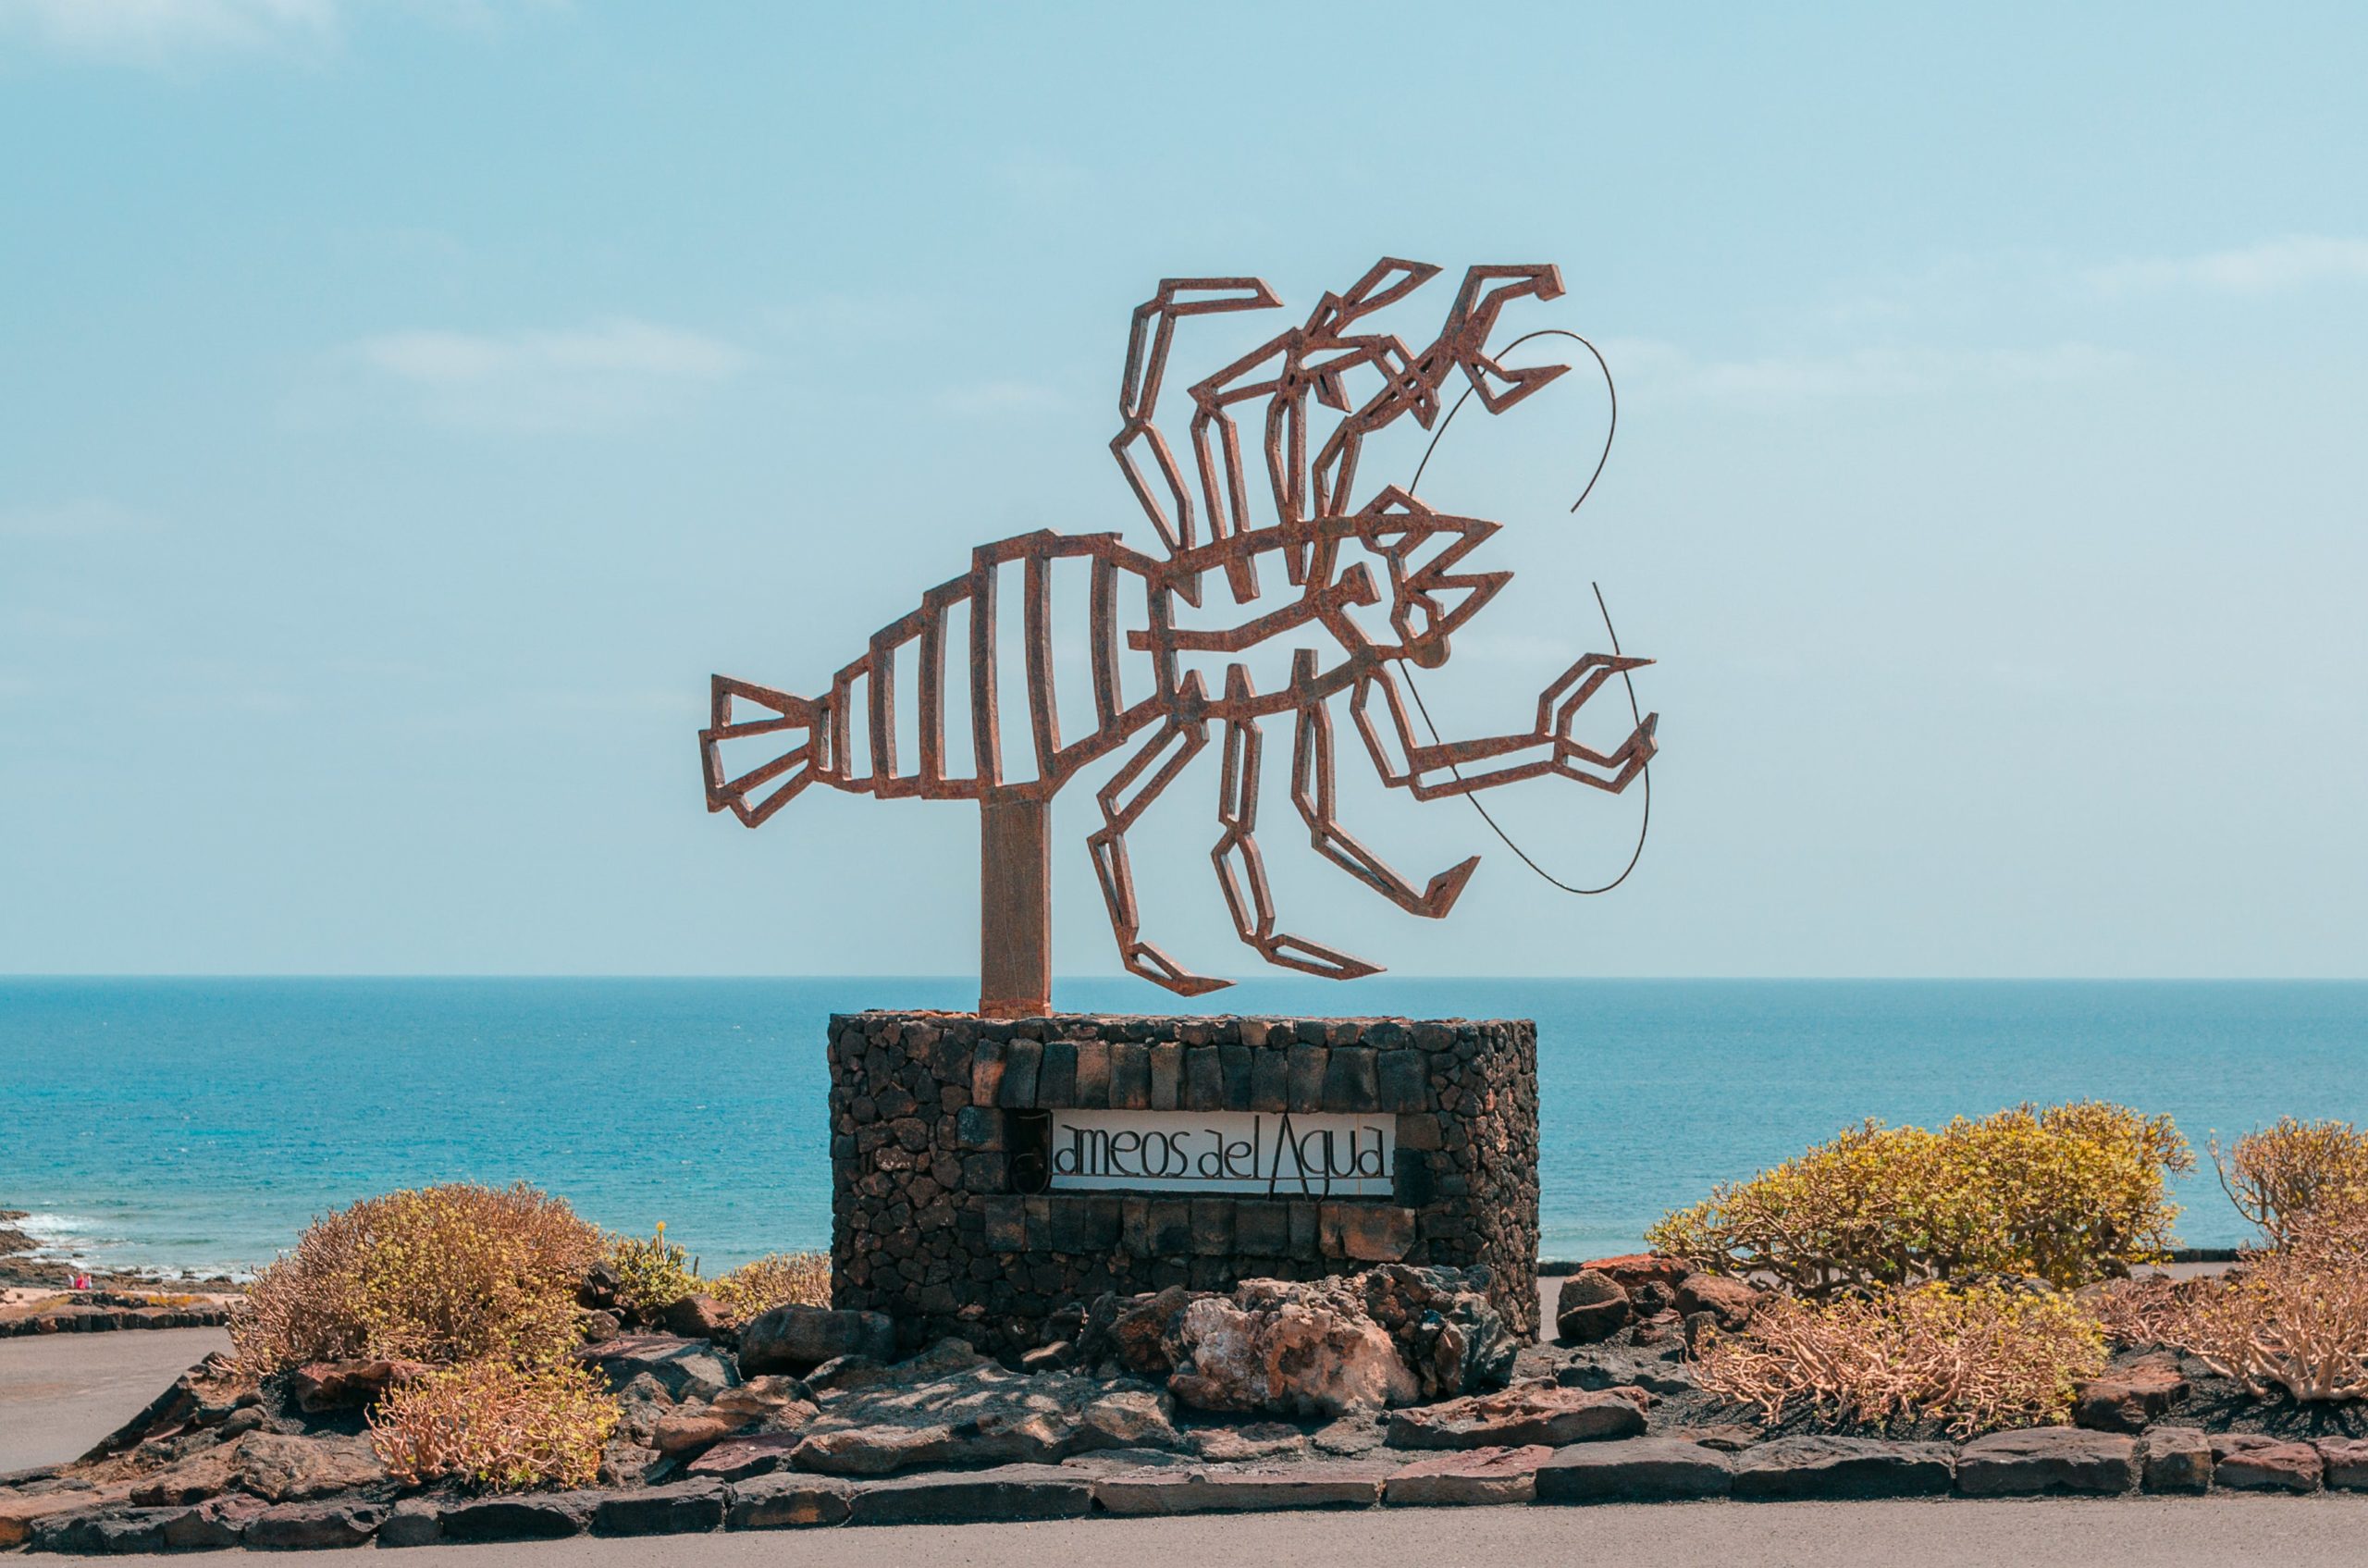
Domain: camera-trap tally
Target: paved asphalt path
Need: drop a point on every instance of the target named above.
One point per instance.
(59, 1394)
(2216, 1532)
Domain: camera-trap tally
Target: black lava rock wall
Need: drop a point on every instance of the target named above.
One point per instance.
(930, 1227)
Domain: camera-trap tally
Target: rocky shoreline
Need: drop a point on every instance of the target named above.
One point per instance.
(1400, 1388)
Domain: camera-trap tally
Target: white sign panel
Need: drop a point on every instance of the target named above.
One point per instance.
(1281, 1153)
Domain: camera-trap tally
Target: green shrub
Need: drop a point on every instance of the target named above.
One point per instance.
(1979, 1358)
(652, 1274)
(776, 1279)
(496, 1425)
(2067, 1194)
(443, 1274)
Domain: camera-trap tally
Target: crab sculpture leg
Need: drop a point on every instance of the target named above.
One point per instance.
(1241, 866)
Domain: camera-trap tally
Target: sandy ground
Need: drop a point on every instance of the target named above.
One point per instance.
(59, 1394)
(2171, 1533)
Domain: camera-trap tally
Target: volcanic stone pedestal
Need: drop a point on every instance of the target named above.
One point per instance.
(930, 1225)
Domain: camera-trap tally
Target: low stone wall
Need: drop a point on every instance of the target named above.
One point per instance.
(102, 1319)
(930, 1225)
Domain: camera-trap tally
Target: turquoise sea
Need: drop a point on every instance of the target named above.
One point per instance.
(199, 1123)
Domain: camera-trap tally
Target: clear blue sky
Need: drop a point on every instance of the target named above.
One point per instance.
(404, 407)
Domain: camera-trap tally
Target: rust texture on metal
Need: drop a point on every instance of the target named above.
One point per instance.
(1394, 558)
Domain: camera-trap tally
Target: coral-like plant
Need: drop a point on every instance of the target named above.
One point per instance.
(1979, 1358)
(439, 1275)
(776, 1279)
(2295, 1319)
(2282, 1177)
(497, 1425)
(652, 1273)
(2067, 1194)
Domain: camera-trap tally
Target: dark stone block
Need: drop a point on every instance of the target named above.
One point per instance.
(1129, 1077)
(1104, 1220)
(1633, 1470)
(1349, 1080)
(1093, 1074)
(978, 1127)
(785, 1502)
(1011, 1492)
(1171, 1228)
(1410, 1179)
(103, 1532)
(1270, 1080)
(1262, 1227)
(1211, 1227)
(1843, 1467)
(1166, 1076)
(1056, 1075)
(2048, 1462)
(1021, 1062)
(682, 1509)
(1307, 1070)
(1068, 1216)
(986, 1173)
(1306, 1229)
(1006, 1224)
(551, 1517)
(1403, 1082)
(1234, 1061)
(1419, 1132)
(1134, 1226)
(1203, 1079)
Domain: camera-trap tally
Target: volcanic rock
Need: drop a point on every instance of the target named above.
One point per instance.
(681, 1368)
(281, 1468)
(2126, 1399)
(2047, 1461)
(322, 1386)
(798, 1339)
(2178, 1459)
(1480, 1476)
(1590, 1306)
(1291, 1351)
(1634, 1470)
(1533, 1412)
(1730, 1303)
(1842, 1468)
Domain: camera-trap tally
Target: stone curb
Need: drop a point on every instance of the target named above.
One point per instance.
(2049, 1462)
(101, 1320)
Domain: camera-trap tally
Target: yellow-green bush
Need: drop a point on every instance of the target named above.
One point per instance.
(440, 1275)
(1979, 1358)
(652, 1274)
(2067, 1194)
(2283, 1177)
(496, 1425)
(775, 1280)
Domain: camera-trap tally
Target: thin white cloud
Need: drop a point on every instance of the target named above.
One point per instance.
(88, 518)
(592, 377)
(2292, 262)
(991, 400)
(1668, 370)
(153, 30)
(156, 32)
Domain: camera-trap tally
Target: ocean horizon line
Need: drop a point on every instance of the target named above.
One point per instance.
(1390, 977)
